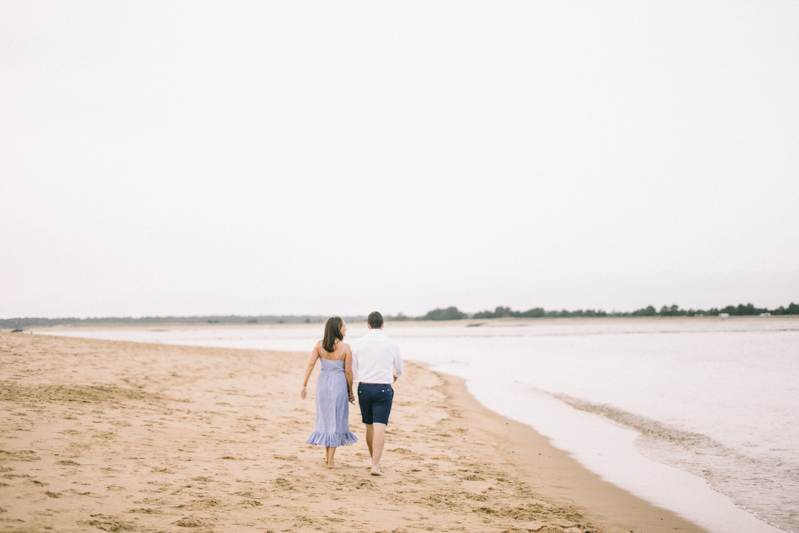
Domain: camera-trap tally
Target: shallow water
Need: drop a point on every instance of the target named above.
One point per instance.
(718, 400)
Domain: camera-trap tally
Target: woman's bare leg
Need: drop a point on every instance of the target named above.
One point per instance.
(327, 454)
(330, 463)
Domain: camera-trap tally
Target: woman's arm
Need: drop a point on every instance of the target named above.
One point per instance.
(348, 372)
(315, 354)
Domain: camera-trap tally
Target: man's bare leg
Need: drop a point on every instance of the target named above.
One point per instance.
(369, 436)
(376, 448)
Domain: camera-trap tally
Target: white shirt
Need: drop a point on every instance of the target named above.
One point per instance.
(376, 359)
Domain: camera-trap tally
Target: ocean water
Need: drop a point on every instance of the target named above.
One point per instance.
(700, 417)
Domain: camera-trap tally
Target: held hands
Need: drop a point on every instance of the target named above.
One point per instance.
(304, 394)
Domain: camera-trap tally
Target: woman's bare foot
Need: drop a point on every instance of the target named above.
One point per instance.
(376, 472)
(331, 465)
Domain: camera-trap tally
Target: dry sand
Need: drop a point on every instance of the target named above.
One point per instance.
(119, 436)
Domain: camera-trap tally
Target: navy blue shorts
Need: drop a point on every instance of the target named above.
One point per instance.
(375, 402)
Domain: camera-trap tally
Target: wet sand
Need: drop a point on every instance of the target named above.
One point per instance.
(120, 436)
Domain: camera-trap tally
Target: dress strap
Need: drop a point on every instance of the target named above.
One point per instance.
(342, 351)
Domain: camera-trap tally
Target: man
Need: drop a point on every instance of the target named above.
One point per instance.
(376, 364)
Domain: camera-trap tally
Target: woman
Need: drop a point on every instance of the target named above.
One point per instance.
(333, 389)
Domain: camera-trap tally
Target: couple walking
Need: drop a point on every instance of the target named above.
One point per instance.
(375, 363)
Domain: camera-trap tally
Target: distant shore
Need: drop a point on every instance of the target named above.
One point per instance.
(466, 322)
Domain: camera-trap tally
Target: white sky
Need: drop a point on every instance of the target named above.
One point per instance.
(338, 157)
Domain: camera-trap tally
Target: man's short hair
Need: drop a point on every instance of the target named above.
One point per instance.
(375, 320)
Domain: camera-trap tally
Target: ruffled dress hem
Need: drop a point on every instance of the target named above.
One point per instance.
(333, 440)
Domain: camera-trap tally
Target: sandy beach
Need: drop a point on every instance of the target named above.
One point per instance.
(120, 436)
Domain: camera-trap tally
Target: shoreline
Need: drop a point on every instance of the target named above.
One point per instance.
(121, 435)
(564, 480)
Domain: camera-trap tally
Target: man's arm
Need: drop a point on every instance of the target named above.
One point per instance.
(399, 368)
(355, 365)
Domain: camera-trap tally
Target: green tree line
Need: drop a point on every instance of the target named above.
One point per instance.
(448, 313)
(453, 313)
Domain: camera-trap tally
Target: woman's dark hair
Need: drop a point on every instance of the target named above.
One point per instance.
(375, 320)
(332, 332)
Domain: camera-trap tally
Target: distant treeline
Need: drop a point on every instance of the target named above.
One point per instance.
(228, 319)
(452, 313)
(449, 313)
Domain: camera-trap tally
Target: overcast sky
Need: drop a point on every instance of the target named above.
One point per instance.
(189, 158)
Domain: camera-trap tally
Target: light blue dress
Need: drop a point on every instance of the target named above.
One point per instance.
(332, 406)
